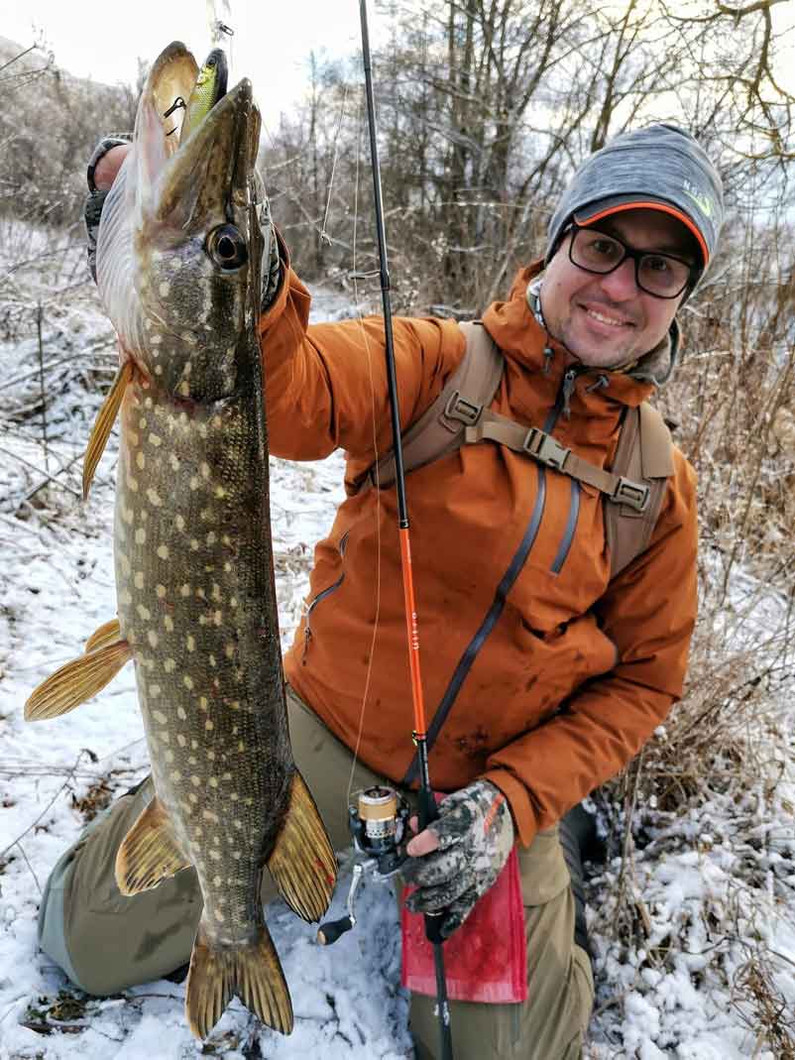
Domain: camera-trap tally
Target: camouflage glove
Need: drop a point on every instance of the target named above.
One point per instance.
(95, 200)
(475, 832)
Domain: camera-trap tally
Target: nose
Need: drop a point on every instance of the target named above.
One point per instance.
(621, 284)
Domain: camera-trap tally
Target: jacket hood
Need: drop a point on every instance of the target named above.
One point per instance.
(516, 330)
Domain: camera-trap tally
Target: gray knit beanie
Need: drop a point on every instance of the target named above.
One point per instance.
(661, 167)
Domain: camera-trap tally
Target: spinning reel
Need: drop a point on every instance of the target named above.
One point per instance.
(378, 822)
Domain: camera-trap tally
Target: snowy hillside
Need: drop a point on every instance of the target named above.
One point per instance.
(718, 881)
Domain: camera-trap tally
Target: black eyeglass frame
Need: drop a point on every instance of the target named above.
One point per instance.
(693, 271)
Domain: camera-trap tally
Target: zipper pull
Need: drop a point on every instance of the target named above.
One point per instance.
(549, 353)
(569, 382)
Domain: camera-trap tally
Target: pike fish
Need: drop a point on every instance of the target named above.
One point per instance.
(179, 268)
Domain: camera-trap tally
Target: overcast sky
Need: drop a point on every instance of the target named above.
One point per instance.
(270, 45)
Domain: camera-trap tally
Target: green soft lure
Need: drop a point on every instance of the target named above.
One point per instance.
(209, 88)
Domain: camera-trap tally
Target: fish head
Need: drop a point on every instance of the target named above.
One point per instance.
(179, 251)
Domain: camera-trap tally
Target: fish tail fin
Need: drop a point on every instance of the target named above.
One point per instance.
(77, 681)
(104, 424)
(302, 861)
(253, 972)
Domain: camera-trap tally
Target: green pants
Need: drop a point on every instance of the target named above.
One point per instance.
(106, 942)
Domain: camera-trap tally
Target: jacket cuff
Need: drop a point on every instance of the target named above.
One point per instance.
(519, 800)
(275, 308)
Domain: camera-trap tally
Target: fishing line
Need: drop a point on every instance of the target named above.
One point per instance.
(324, 236)
(221, 27)
(377, 484)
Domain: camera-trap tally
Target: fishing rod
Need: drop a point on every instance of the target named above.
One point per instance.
(427, 803)
(378, 817)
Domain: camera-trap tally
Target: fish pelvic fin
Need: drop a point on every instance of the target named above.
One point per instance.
(104, 425)
(253, 972)
(149, 853)
(107, 634)
(302, 861)
(77, 681)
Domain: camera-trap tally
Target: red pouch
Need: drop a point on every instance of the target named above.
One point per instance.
(485, 960)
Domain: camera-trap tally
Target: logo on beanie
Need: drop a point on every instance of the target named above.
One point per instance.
(702, 201)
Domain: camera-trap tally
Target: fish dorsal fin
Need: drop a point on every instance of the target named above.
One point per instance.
(104, 425)
(302, 862)
(108, 633)
(77, 681)
(252, 971)
(149, 852)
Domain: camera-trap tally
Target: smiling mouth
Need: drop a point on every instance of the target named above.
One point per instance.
(604, 318)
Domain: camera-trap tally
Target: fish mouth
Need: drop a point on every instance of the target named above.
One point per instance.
(209, 175)
(216, 162)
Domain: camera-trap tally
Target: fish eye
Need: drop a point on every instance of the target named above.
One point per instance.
(227, 248)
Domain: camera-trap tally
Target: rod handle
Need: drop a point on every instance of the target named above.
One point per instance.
(427, 807)
(428, 812)
(329, 932)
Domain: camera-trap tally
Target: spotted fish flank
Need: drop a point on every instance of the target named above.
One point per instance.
(178, 267)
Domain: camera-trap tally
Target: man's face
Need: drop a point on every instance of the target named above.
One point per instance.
(607, 320)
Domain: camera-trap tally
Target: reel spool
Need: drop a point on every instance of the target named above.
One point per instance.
(377, 819)
(377, 822)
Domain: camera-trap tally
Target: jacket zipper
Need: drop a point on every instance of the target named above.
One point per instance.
(571, 526)
(471, 651)
(467, 660)
(562, 405)
(566, 390)
(323, 594)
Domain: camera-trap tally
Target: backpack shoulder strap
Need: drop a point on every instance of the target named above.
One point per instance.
(644, 454)
(471, 387)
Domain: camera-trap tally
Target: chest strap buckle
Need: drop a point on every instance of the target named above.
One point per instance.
(543, 448)
(458, 408)
(634, 494)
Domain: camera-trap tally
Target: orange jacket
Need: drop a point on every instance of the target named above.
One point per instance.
(577, 672)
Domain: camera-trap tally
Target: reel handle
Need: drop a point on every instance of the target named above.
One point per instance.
(329, 932)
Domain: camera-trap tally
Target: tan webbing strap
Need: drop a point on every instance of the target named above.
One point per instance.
(636, 483)
(546, 450)
(656, 444)
(440, 429)
(644, 452)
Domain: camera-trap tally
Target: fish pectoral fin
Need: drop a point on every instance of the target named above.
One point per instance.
(302, 862)
(253, 972)
(149, 852)
(77, 681)
(104, 425)
(107, 634)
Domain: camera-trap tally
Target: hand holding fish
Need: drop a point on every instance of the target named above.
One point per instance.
(108, 166)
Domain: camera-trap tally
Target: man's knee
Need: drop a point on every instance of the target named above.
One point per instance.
(103, 940)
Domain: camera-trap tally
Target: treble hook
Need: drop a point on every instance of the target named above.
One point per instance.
(178, 103)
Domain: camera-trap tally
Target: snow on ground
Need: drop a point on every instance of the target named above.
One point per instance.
(56, 587)
(686, 990)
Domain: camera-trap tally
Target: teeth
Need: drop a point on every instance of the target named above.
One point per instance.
(603, 319)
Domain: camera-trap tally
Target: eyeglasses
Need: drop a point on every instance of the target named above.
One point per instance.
(661, 275)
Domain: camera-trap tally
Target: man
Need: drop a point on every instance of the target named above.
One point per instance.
(546, 674)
